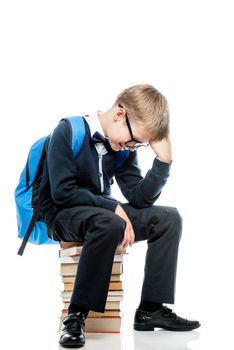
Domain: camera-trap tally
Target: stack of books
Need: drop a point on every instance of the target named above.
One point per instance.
(110, 320)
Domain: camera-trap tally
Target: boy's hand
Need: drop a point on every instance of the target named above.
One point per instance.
(129, 235)
(163, 149)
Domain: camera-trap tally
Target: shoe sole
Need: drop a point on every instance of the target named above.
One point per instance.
(73, 345)
(147, 328)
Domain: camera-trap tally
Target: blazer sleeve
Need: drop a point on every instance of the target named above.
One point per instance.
(142, 192)
(62, 170)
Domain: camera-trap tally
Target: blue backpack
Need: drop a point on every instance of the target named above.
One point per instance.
(28, 198)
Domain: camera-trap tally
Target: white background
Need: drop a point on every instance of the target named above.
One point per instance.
(61, 58)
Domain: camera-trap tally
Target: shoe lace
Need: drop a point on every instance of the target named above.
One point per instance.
(75, 325)
(74, 322)
(168, 311)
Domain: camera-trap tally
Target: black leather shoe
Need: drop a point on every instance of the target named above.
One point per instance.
(72, 334)
(163, 318)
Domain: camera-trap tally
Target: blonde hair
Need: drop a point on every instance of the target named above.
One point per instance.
(146, 106)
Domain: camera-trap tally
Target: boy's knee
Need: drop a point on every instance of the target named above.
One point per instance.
(176, 219)
(117, 227)
(175, 216)
(112, 226)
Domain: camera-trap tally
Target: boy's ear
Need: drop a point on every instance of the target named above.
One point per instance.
(119, 114)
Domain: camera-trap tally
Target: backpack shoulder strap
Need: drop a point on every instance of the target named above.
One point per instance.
(78, 133)
(34, 219)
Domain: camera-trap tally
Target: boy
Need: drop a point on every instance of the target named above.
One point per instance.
(79, 207)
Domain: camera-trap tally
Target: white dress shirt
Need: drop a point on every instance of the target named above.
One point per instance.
(95, 125)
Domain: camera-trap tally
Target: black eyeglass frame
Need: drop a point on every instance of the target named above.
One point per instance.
(134, 143)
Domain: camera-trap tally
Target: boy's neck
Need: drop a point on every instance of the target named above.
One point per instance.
(104, 118)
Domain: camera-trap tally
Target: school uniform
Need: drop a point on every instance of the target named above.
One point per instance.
(80, 207)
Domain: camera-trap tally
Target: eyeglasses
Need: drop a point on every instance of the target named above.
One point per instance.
(133, 143)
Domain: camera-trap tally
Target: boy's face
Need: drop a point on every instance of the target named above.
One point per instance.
(124, 133)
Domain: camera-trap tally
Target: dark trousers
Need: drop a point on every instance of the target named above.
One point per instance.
(101, 231)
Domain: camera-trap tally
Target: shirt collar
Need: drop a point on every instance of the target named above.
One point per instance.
(94, 123)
